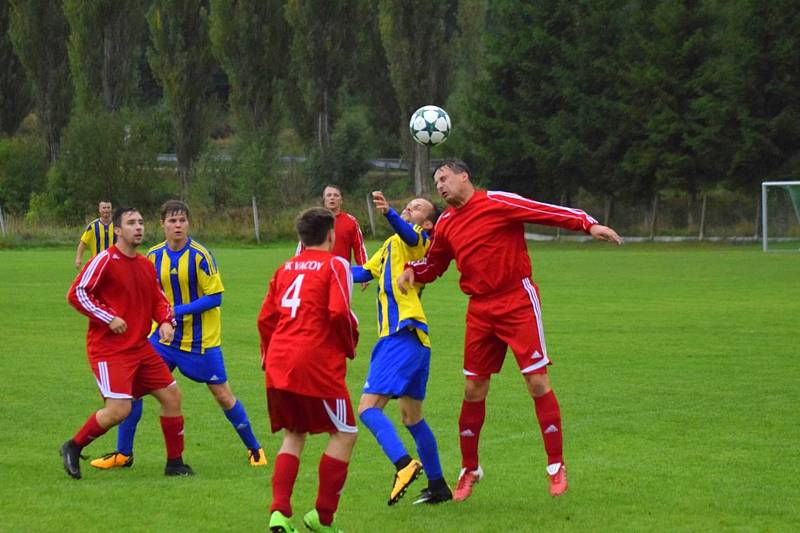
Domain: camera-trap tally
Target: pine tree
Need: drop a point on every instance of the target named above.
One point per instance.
(15, 101)
(322, 47)
(105, 44)
(416, 36)
(678, 89)
(181, 59)
(39, 32)
(251, 42)
(762, 50)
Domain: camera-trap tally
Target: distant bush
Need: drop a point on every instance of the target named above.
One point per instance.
(106, 155)
(352, 146)
(23, 172)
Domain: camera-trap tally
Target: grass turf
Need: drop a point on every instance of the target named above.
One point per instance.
(676, 369)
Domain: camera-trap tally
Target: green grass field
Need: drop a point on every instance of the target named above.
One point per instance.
(676, 368)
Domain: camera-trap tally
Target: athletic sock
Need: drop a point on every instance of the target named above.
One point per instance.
(283, 478)
(237, 416)
(332, 475)
(385, 433)
(90, 430)
(437, 485)
(427, 449)
(402, 462)
(469, 428)
(172, 427)
(549, 416)
(127, 428)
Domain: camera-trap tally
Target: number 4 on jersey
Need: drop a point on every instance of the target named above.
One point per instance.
(291, 298)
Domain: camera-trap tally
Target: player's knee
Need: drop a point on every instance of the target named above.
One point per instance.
(118, 412)
(350, 439)
(539, 389)
(365, 406)
(410, 412)
(368, 401)
(410, 419)
(171, 399)
(224, 396)
(476, 390)
(538, 384)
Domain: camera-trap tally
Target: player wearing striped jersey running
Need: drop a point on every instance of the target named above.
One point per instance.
(484, 232)
(307, 332)
(119, 293)
(400, 361)
(188, 275)
(98, 235)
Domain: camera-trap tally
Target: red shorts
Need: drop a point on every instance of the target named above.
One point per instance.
(130, 376)
(306, 414)
(511, 319)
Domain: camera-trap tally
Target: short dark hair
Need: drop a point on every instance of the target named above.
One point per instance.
(171, 207)
(456, 165)
(332, 186)
(116, 218)
(103, 201)
(434, 214)
(313, 225)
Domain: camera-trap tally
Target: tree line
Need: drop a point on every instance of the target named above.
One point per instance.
(622, 98)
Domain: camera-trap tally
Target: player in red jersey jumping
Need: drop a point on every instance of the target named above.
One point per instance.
(307, 333)
(484, 232)
(119, 293)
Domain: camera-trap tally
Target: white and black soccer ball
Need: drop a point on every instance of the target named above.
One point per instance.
(430, 125)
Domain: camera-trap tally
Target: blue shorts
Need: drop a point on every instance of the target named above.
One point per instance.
(208, 367)
(399, 366)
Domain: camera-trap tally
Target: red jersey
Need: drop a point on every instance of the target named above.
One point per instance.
(486, 237)
(306, 325)
(348, 239)
(113, 284)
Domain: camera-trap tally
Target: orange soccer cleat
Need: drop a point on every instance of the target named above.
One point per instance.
(113, 460)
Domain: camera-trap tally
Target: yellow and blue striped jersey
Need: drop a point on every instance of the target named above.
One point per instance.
(98, 237)
(395, 309)
(186, 275)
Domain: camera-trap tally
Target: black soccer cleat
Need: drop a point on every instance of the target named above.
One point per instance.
(178, 469)
(71, 457)
(433, 496)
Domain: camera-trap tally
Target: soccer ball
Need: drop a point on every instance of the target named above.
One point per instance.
(430, 125)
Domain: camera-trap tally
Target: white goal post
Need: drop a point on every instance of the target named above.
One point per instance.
(792, 196)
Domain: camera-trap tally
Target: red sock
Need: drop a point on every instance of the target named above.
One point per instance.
(469, 429)
(172, 427)
(549, 415)
(283, 477)
(90, 430)
(332, 474)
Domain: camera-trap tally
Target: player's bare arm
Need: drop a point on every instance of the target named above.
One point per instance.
(405, 280)
(118, 325)
(604, 233)
(79, 255)
(166, 332)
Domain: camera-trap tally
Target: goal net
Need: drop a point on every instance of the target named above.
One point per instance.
(780, 216)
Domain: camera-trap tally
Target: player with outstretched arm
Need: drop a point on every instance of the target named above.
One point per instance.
(484, 232)
(400, 361)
